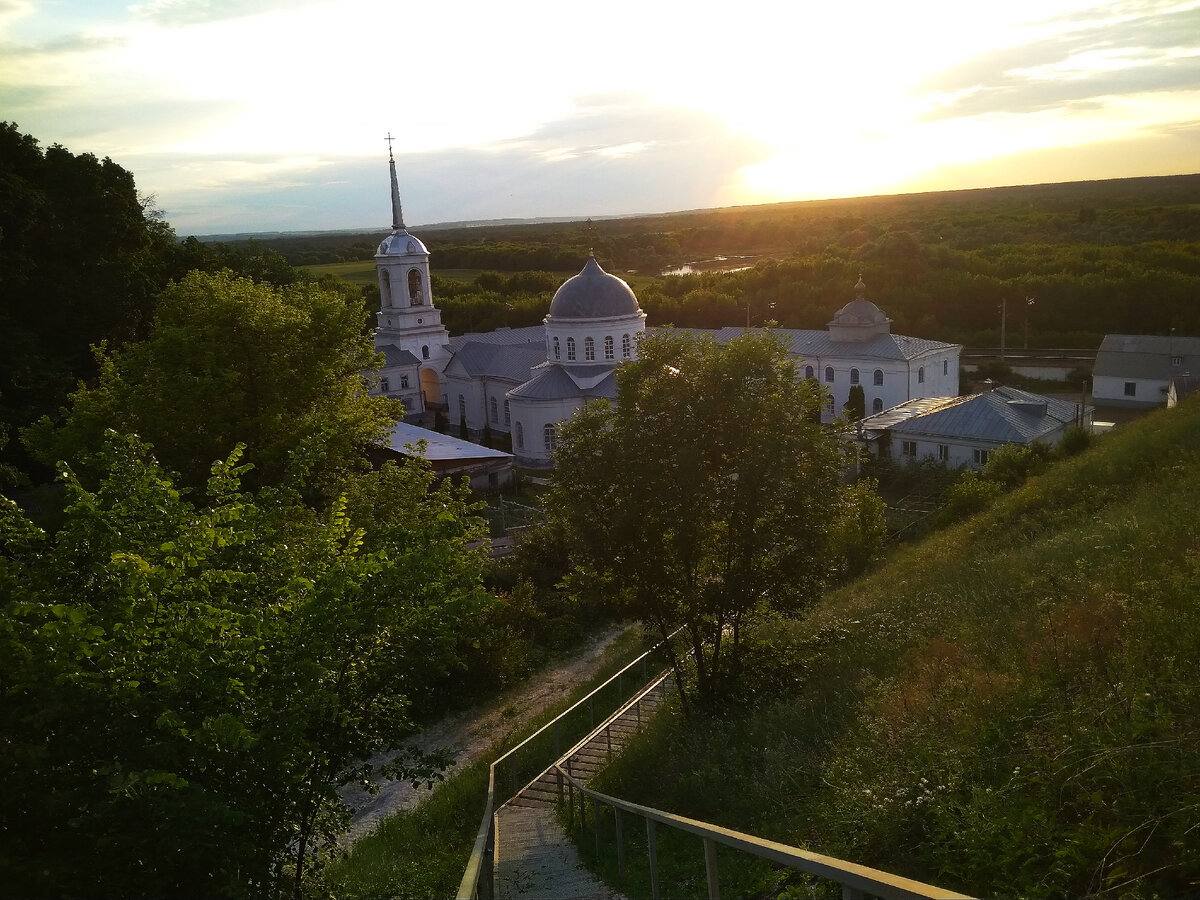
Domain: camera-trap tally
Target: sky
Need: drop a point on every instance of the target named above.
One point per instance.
(243, 116)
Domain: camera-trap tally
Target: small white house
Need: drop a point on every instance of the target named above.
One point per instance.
(1136, 369)
(963, 431)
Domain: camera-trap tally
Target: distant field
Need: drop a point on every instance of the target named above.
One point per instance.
(357, 272)
(363, 272)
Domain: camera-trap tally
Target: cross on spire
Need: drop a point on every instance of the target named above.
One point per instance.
(389, 139)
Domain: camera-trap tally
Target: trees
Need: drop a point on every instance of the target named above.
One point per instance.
(186, 682)
(704, 495)
(230, 361)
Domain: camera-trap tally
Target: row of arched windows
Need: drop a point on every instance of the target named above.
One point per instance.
(855, 378)
(589, 348)
(549, 437)
(492, 415)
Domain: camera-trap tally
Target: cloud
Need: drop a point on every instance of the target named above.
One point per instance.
(1119, 49)
(643, 158)
(71, 45)
(174, 13)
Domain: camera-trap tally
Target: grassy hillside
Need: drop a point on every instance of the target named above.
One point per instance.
(1010, 708)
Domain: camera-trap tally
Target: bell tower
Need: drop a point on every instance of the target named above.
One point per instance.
(407, 318)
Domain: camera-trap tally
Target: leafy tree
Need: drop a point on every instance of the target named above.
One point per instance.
(704, 495)
(230, 361)
(185, 683)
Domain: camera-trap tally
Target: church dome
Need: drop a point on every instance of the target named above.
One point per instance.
(593, 294)
(860, 312)
(401, 243)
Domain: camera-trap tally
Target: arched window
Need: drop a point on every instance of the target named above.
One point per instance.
(570, 348)
(624, 346)
(507, 413)
(589, 349)
(829, 405)
(879, 378)
(384, 387)
(557, 354)
(608, 347)
(877, 405)
(520, 437)
(403, 382)
(921, 375)
(810, 372)
(829, 374)
(945, 367)
(425, 352)
(414, 287)
(492, 414)
(854, 376)
(386, 277)
(550, 438)
(462, 408)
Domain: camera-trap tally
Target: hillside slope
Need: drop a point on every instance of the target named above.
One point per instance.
(1010, 708)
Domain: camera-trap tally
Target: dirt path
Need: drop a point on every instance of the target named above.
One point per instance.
(473, 732)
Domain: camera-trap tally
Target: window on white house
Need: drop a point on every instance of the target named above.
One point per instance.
(624, 346)
(944, 452)
(507, 413)
(921, 375)
(909, 449)
(877, 405)
(589, 349)
(981, 456)
(492, 411)
(520, 437)
(570, 349)
(462, 408)
(403, 382)
(550, 438)
(384, 386)
(1131, 389)
(425, 352)
(557, 354)
(854, 376)
(608, 348)
(945, 367)
(829, 374)
(879, 378)
(1177, 360)
(829, 405)
(809, 372)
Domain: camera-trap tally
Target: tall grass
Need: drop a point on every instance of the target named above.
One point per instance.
(1010, 707)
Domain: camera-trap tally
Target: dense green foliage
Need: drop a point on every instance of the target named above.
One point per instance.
(230, 361)
(187, 680)
(703, 496)
(1009, 708)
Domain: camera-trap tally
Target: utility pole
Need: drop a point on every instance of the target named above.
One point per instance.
(1003, 314)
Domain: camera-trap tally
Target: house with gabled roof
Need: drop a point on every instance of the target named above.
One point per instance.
(1136, 369)
(964, 431)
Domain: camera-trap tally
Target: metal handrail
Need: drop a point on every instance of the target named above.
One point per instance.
(855, 879)
(483, 850)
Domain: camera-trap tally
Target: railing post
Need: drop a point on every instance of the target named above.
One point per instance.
(582, 813)
(596, 826)
(608, 737)
(558, 775)
(620, 847)
(652, 848)
(710, 869)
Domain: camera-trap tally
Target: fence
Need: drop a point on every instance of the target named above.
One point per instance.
(522, 764)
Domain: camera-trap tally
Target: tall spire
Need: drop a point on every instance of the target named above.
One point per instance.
(397, 212)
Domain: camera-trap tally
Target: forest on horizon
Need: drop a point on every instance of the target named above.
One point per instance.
(1120, 256)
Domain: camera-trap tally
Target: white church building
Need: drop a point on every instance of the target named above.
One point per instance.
(525, 381)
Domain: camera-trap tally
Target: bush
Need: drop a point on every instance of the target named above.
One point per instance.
(1074, 441)
(967, 496)
(1012, 464)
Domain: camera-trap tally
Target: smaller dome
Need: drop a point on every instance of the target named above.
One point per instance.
(860, 312)
(401, 243)
(593, 294)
